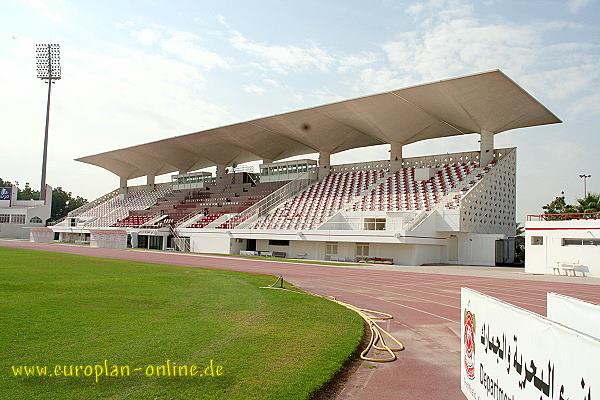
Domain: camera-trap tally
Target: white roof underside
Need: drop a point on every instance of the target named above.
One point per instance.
(487, 101)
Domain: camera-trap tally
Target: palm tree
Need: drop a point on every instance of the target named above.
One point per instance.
(589, 204)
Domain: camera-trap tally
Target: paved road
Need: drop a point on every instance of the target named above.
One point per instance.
(425, 303)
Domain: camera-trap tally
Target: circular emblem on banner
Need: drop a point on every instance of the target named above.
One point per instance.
(469, 340)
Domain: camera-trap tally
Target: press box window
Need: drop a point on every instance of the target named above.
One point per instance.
(374, 224)
(537, 240)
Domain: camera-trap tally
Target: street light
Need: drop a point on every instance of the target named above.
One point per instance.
(585, 177)
(48, 69)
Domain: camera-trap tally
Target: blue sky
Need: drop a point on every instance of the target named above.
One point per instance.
(140, 71)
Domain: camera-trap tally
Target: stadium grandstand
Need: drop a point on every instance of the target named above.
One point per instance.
(446, 208)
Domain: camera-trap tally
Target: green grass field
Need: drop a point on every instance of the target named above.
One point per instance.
(60, 309)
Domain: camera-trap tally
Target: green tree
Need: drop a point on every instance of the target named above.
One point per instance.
(589, 204)
(64, 202)
(4, 183)
(558, 206)
(28, 193)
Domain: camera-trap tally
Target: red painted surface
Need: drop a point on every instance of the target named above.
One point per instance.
(425, 306)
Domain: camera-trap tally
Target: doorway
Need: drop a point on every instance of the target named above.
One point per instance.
(453, 248)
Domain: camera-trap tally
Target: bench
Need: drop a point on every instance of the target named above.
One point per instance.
(569, 268)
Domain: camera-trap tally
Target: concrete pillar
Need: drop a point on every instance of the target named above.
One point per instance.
(396, 156)
(324, 164)
(267, 161)
(122, 185)
(486, 148)
(150, 180)
(220, 172)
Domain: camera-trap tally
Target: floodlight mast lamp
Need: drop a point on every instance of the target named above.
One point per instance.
(585, 178)
(48, 69)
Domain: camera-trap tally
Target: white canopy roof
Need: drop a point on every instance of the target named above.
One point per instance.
(487, 101)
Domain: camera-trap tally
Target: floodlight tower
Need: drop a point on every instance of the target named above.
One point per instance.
(585, 178)
(48, 69)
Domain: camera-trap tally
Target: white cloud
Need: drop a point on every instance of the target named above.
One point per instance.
(283, 58)
(576, 5)
(271, 82)
(358, 60)
(50, 9)
(186, 46)
(254, 89)
(146, 36)
(415, 9)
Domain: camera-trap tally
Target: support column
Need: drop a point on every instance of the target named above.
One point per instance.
(122, 186)
(267, 161)
(395, 156)
(150, 180)
(486, 148)
(220, 172)
(324, 164)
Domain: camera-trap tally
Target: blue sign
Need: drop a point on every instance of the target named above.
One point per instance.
(5, 193)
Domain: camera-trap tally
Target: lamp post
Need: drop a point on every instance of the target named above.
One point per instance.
(585, 177)
(48, 69)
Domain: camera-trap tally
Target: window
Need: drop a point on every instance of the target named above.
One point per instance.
(581, 242)
(4, 218)
(362, 251)
(279, 242)
(35, 220)
(374, 224)
(331, 250)
(537, 240)
(17, 219)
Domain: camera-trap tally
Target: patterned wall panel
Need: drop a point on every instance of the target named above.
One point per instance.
(490, 206)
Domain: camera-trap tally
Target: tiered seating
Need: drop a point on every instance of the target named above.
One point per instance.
(232, 196)
(202, 222)
(400, 192)
(455, 201)
(114, 209)
(133, 221)
(319, 201)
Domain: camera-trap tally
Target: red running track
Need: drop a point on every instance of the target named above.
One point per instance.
(425, 306)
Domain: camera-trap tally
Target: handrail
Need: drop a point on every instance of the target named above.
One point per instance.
(269, 202)
(187, 217)
(563, 216)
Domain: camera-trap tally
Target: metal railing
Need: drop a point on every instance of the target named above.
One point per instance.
(563, 217)
(263, 206)
(180, 243)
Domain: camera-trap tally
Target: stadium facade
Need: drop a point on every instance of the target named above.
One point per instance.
(447, 208)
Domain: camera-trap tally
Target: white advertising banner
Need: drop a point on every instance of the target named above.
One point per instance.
(511, 353)
(574, 313)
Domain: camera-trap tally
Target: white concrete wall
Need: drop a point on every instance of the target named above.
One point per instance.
(541, 259)
(210, 243)
(477, 249)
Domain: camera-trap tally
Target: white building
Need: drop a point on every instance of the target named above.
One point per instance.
(17, 217)
(563, 246)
